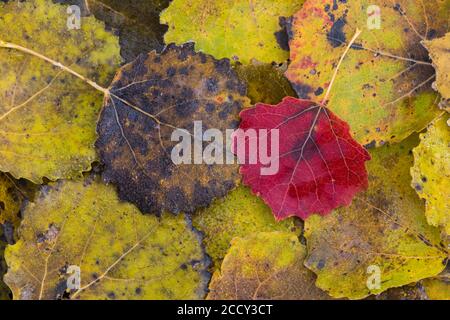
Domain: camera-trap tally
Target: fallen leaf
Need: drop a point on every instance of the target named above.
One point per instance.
(385, 228)
(383, 89)
(431, 173)
(265, 266)
(265, 82)
(439, 53)
(438, 288)
(47, 116)
(414, 291)
(121, 254)
(151, 98)
(236, 29)
(136, 22)
(239, 214)
(10, 201)
(320, 166)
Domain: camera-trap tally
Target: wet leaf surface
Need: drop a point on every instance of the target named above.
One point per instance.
(439, 52)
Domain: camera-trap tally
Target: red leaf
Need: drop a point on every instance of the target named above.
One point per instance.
(321, 167)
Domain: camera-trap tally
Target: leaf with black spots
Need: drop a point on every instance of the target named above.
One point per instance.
(148, 100)
(384, 87)
(48, 116)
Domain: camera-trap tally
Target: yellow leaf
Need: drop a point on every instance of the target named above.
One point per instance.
(431, 173)
(265, 266)
(239, 214)
(382, 239)
(48, 116)
(437, 288)
(237, 29)
(383, 87)
(120, 253)
(439, 52)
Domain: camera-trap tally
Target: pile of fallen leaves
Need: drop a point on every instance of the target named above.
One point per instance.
(359, 207)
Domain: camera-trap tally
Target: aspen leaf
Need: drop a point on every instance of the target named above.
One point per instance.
(239, 214)
(431, 173)
(383, 89)
(121, 254)
(439, 52)
(149, 100)
(384, 229)
(266, 265)
(320, 166)
(48, 116)
(237, 29)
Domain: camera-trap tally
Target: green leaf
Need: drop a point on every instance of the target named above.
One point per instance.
(239, 214)
(431, 173)
(237, 29)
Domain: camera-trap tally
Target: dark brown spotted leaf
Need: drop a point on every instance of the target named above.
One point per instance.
(152, 97)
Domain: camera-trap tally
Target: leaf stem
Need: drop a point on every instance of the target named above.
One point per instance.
(55, 63)
(357, 33)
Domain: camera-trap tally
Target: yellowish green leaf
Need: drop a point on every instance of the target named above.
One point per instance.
(382, 240)
(265, 266)
(121, 253)
(431, 173)
(237, 29)
(48, 116)
(439, 52)
(437, 288)
(383, 87)
(239, 214)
